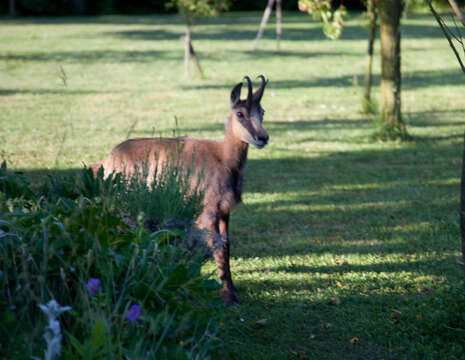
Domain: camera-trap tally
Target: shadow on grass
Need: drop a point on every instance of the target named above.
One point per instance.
(430, 266)
(411, 80)
(434, 117)
(60, 91)
(155, 19)
(388, 318)
(296, 27)
(304, 125)
(276, 127)
(341, 197)
(148, 56)
(370, 203)
(106, 56)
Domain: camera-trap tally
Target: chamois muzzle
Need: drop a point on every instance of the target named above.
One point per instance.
(261, 141)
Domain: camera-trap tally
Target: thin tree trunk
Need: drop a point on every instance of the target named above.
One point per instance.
(279, 17)
(372, 16)
(189, 49)
(187, 52)
(12, 8)
(196, 59)
(266, 16)
(457, 11)
(462, 210)
(390, 13)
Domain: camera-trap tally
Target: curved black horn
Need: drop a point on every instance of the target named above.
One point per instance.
(259, 93)
(249, 95)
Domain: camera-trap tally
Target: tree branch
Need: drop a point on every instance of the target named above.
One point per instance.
(447, 33)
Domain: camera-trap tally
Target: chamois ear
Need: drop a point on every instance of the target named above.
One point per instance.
(236, 94)
(257, 96)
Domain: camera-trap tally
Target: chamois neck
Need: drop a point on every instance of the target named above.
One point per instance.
(234, 149)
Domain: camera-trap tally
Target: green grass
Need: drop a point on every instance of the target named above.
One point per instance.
(338, 237)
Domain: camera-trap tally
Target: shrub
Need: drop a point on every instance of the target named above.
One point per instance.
(133, 293)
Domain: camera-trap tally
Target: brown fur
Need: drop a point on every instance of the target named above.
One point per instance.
(217, 165)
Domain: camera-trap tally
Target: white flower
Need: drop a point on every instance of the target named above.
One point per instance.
(52, 335)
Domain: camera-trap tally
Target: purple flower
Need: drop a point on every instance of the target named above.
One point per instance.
(133, 313)
(94, 286)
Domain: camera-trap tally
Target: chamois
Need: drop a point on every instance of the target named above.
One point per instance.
(220, 163)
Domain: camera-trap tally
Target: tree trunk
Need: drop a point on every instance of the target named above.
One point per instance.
(462, 210)
(266, 16)
(187, 48)
(279, 17)
(390, 13)
(372, 16)
(12, 8)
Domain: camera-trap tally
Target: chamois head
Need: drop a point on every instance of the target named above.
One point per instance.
(247, 115)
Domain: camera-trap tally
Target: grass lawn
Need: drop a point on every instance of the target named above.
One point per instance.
(348, 248)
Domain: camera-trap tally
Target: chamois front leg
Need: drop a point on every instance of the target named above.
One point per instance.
(217, 241)
(222, 258)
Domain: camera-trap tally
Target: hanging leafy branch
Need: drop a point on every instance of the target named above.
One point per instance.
(199, 8)
(321, 10)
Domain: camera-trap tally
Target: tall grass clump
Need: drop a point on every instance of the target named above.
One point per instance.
(131, 292)
(369, 106)
(169, 199)
(389, 132)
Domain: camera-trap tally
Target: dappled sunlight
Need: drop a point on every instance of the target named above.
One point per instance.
(338, 237)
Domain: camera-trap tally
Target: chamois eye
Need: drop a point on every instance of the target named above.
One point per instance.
(239, 114)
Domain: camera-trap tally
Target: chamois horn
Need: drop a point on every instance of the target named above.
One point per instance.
(249, 95)
(259, 92)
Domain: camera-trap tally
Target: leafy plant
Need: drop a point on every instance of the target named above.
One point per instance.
(321, 10)
(196, 8)
(133, 292)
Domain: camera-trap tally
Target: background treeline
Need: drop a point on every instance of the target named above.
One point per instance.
(99, 7)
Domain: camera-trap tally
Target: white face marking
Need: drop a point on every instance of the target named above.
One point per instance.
(248, 126)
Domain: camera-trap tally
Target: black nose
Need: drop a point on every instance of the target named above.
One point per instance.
(263, 138)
